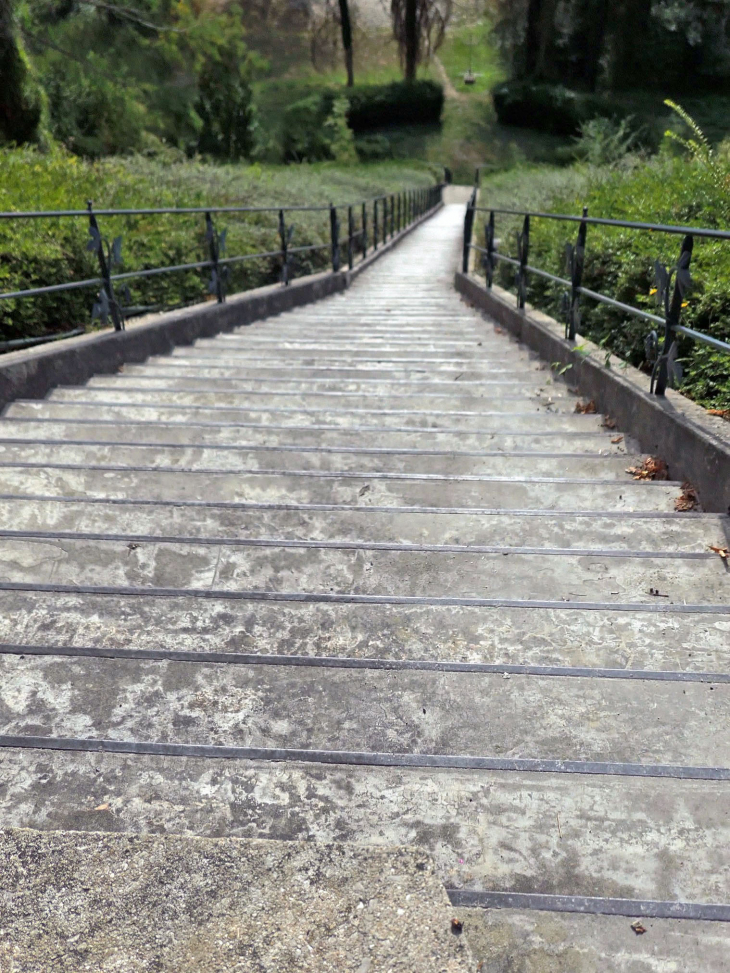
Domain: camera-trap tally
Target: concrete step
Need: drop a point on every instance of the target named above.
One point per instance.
(362, 571)
(304, 402)
(366, 489)
(655, 637)
(502, 530)
(362, 439)
(628, 837)
(590, 465)
(193, 393)
(269, 906)
(540, 419)
(359, 573)
(306, 708)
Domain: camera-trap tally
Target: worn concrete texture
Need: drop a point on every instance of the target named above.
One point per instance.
(145, 904)
(695, 444)
(379, 541)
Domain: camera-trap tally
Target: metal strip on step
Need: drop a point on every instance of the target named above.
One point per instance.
(343, 545)
(342, 507)
(351, 758)
(378, 665)
(286, 448)
(339, 474)
(303, 410)
(589, 905)
(326, 598)
(197, 424)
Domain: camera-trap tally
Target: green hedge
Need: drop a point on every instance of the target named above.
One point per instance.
(550, 108)
(399, 103)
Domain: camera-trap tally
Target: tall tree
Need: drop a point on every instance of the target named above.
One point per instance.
(418, 27)
(346, 26)
(21, 104)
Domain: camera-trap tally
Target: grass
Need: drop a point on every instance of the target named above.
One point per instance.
(40, 252)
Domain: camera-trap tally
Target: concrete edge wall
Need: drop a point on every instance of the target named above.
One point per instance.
(695, 446)
(32, 373)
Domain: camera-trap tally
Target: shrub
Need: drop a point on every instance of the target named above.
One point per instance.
(550, 108)
(399, 103)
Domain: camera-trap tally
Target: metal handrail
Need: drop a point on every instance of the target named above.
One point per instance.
(672, 285)
(397, 211)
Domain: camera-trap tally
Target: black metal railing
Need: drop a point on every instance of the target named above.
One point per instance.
(672, 285)
(390, 214)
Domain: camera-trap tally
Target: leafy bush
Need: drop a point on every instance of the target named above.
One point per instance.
(34, 253)
(399, 103)
(550, 108)
(620, 262)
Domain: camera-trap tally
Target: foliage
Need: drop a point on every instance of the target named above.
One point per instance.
(40, 252)
(22, 105)
(605, 142)
(163, 73)
(550, 108)
(617, 44)
(398, 103)
(312, 129)
(620, 262)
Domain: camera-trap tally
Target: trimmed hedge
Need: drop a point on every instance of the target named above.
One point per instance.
(398, 103)
(550, 108)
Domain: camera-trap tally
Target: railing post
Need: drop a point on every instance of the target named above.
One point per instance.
(523, 247)
(663, 373)
(107, 303)
(392, 217)
(285, 238)
(364, 230)
(375, 224)
(335, 238)
(576, 262)
(489, 260)
(400, 197)
(468, 229)
(350, 234)
(385, 219)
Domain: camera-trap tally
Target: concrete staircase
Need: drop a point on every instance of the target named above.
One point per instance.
(361, 574)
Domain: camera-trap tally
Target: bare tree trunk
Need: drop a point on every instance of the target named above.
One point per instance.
(532, 36)
(411, 38)
(346, 40)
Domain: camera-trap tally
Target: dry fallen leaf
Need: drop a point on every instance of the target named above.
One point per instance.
(102, 807)
(638, 927)
(498, 330)
(585, 408)
(687, 500)
(617, 439)
(456, 926)
(722, 552)
(609, 423)
(363, 490)
(651, 469)
(722, 413)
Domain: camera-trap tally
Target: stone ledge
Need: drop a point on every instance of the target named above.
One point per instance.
(695, 445)
(32, 373)
(73, 902)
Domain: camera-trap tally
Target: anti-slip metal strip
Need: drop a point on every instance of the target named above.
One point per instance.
(350, 508)
(590, 905)
(344, 545)
(351, 758)
(385, 665)
(330, 598)
(340, 474)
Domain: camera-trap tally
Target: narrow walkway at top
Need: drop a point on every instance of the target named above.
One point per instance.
(373, 540)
